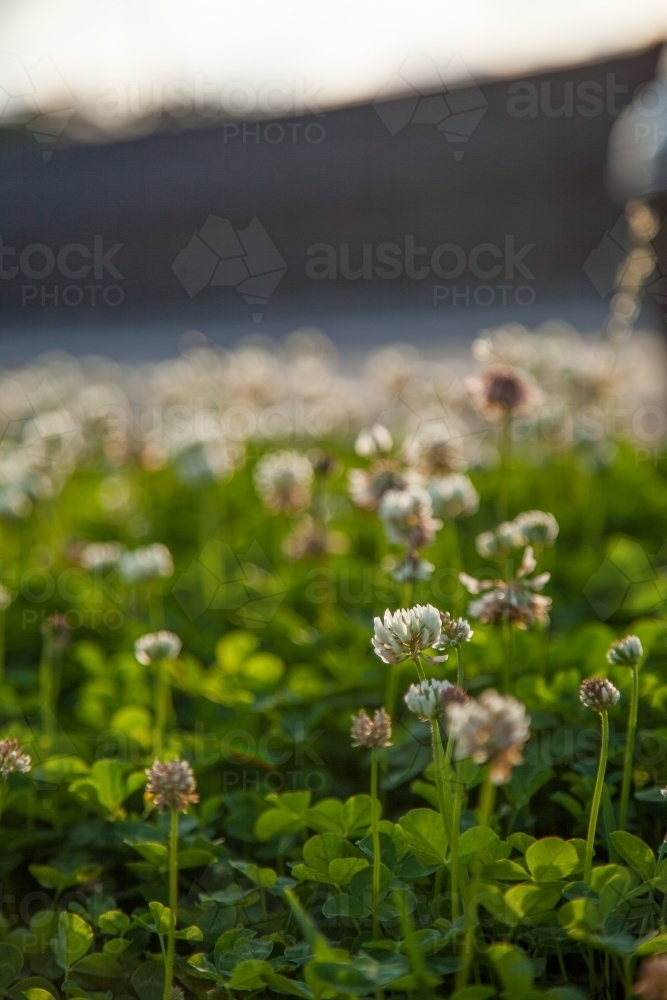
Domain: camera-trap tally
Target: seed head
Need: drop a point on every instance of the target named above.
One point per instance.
(408, 517)
(454, 631)
(425, 698)
(652, 979)
(283, 480)
(12, 758)
(171, 785)
(493, 727)
(156, 646)
(149, 562)
(453, 496)
(626, 652)
(598, 693)
(375, 732)
(406, 632)
(538, 527)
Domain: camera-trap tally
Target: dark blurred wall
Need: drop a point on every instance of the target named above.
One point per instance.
(529, 175)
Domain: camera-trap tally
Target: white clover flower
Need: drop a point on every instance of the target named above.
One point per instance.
(454, 631)
(453, 496)
(149, 562)
(537, 526)
(171, 785)
(493, 727)
(373, 440)
(13, 759)
(598, 693)
(408, 517)
(436, 451)
(425, 698)
(156, 646)
(412, 569)
(500, 541)
(375, 732)
(625, 652)
(406, 632)
(100, 555)
(283, 481)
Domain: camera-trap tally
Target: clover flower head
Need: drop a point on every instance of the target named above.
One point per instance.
(598, 693)
(148, 562)
(454, 631)
(412, 569)
(375, 732)
(435, 451)
(453, 695)
(625, 652)
(57, 632)
(408, 517)
(453, 496)
(406, 632)
(310, 538)
(13, 759)
(426, 698)
(538, 527)
(373, 441)
(100, 555)
(156, 646)
(500, 541)
(283, 481)
(368, 486)
(171, 785)
(494, 728)
(502, 391)
(5, 597)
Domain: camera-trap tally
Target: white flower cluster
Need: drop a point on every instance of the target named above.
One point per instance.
(407, 632)
(283, 481)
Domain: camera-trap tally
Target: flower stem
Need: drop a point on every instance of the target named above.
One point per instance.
(454, 844)
(597, 796)
(173, 905)
(47, 690)
(2, 646)
(487, 798)
(459, 665)
(376, 843)
(441, 784)
(161, 707)
(505, 459)
(629, 750)
(507, 655)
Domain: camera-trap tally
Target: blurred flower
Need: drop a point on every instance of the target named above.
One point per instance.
(598, 693)
(156, 646)
(493, 727)
(57, 632)
(373, 440)
(283, 481)
(626, 652)
(375, 732)
(310, 538)
(435, 452)
(453, 695)
(171, 785)
(406, 632)
(100, 555)
(368, 486)
(500, 541)
(502, 391)
(5, 597)
(412, 569)
(408, 517)
(513, 600)
(13, 759)
(453, 496)
(537, 526)
(454, 631)
(651, 981)
(425, 698)
(149, 562)
(323, 462)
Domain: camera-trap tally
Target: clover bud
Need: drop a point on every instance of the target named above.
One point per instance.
(375, 732)
(598, 693)
(171, 785)
(625, 652)
(425, 698)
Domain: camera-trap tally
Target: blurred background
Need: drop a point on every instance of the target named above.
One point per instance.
(178, 174)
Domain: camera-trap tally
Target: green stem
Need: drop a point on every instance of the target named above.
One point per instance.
(3, 792)
(441, 784)
(161, 707)
(629, 750)
(156, 606)
(454, 844)
(2, 646)
(597, 796)
(391, 685)
(459, 665)
(47, 689)
(173, 905)
(487, 798)
(375, 898)
(507, 655)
